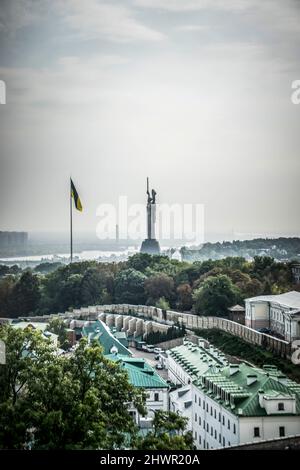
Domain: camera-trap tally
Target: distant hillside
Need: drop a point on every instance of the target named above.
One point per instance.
(281, 249)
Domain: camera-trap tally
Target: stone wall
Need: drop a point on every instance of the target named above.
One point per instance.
(169, 318)
(286, 443)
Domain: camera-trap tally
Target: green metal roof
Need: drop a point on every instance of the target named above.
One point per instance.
(194, 359)
(241, 399)
(99, 331)
(140, 373)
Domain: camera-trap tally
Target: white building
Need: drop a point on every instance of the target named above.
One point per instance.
(142, 375)
(280, 313)
(231, 404)
(239, 404)
(188, 361)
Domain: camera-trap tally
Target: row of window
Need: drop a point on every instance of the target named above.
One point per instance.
(222, 441)
(213, 432)
(256, 431)
(206, 444)
(215, 414)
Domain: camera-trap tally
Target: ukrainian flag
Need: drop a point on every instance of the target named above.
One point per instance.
(74, 195)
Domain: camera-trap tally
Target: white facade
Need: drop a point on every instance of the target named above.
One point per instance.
(181, 402)
(156, 399)
(280, 313)
(212, 425)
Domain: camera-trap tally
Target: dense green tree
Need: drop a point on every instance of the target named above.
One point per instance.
(184, 296)
(157, 286)
(58, 327)
(25, 295)
(129, 287)
(6, 289)
(92, 287)
(215, 295)
(56, 402)
(169, 433)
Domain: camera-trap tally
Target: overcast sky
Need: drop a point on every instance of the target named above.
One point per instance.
(195, 94)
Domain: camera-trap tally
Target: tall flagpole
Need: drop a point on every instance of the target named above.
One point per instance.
(71, 226)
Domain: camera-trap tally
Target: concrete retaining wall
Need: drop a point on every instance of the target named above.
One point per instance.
(168, 318)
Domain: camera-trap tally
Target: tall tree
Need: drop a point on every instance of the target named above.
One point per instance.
(26, 295)
(57, 402)
(215, 295)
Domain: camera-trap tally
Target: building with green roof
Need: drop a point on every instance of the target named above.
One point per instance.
(99, 331)
(142, 375)
(232, 404)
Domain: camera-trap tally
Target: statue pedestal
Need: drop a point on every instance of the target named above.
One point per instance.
(150, 246)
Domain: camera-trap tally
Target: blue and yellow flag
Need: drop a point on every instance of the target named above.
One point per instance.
(74, 195)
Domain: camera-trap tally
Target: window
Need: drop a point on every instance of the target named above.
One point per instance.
(200, 420)
(195, 398)
(219, 417)
(281, 431)
(156, 396)
(220, 438)
(223, 420)
(228, 424)
(234, 429)
(280, 406)
(223, 441)
(199, 401)
(199, 439)
(204, 424)
(207, 407)
(203, 404)
(256, 432)
(229, 443)
(196, 417)
(207, 427)
(211, 431)
(207, 446)
(215, 434)
(215, 414)
(211, 411)
(195, 436)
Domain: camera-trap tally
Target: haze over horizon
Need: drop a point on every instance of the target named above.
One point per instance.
(194, 94)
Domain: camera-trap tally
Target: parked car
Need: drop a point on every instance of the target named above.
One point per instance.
(159, 366)
(156, 357)
(157, 350)
(150, 348)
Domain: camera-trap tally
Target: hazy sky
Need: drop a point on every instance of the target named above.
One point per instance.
(194, 93)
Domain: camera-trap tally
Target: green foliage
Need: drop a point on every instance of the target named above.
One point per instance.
(57, 402)
(173, 332)
(159, 286)
(25, 295)
(58, 327)
(143, 279)
(169, 433)
(215, 295)
(129, 287)
(162, 303)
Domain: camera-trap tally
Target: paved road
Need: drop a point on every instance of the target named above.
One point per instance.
(149, 358)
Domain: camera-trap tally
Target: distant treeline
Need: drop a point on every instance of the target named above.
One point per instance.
(278, 248)
(207, 288)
